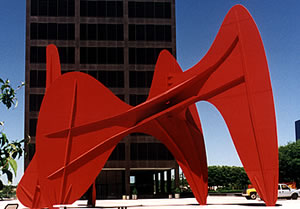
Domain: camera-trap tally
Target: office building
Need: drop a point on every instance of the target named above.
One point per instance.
(116, 42)
(297, 129)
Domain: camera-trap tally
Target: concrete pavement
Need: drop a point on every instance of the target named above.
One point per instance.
(213, 202)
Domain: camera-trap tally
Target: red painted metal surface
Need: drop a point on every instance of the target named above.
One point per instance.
(81, 121)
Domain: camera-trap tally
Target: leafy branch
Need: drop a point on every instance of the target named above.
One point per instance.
(9, 151)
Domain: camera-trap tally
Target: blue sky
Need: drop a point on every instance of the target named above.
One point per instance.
(197, 23)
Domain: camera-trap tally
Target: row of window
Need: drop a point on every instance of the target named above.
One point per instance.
(150, 33)
(111, 79)
(55, 8)
(101, 32)
(100, 8)
(66, 54)
(54, 31)
(149, 151)
(149, 9)
(99, 55)
(142, 151)
(146, 56)
(140, 79)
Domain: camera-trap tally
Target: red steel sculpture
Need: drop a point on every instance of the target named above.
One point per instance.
(81, 121)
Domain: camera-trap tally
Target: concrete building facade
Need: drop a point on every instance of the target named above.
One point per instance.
(116, 42)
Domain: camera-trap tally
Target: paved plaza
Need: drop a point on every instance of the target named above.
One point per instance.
(213, 202)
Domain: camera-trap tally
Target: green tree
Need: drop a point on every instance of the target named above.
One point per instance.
(9, 150)
(289, 163)
(230, 177)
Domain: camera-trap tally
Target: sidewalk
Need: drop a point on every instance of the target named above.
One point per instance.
(213, 202)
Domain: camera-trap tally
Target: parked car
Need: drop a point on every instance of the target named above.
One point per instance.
(283, 192)
(286, 192)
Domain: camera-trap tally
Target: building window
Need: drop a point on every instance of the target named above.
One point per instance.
(101, 55)
(37, 79)
(146, 56)
(135, 100)
(150, 33)
(31, 151)
(52, 31)
(100, 8)
(113, 32)
(35, 101)
(149, 151)
(118, 153)
(55, 8)
(32, 127)
(121, 97)
(38, 54)
(149, 9)
(110, 79)
(66, 55)
(140, 79)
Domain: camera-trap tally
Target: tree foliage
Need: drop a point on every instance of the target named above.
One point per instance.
(231, 177)
(289, 163)
(9, 151)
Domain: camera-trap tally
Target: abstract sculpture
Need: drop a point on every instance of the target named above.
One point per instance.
(81, 121)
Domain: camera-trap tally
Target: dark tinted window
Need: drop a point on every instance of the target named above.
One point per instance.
(144, 55)
(149, 151)
(140, 79)
(113, 79)
(32, 127)
(66, 31)
(101, 55)
(118, 153)
(66, 55)
(149, 9)
(52, 8)
(52, 31)
(37, 79)
(37, 54)
(100, 8)
(101, 32)
(35, 101)
(31, 150)
(150, 33)
(34, 7)
(121, 96)
(135, 100)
